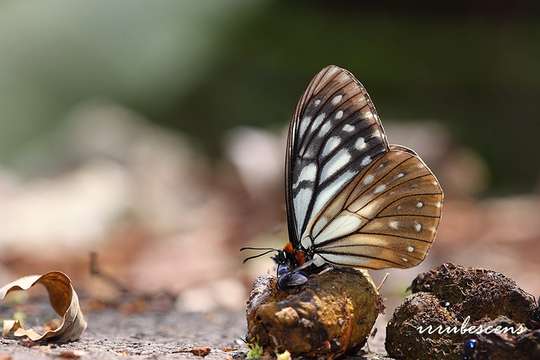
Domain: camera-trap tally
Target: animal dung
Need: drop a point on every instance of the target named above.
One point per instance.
(450, 303)
(331, 315)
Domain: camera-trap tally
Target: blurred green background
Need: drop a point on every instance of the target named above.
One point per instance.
(204, 67)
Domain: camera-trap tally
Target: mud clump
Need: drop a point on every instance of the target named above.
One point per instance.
(404, 341)
(328, 317)
(495, 346)
(460, 300)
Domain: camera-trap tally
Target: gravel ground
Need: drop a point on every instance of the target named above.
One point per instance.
(112, 335)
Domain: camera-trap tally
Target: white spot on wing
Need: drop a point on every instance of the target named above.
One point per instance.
(331, 144)
(417, 227)
(379, 189)
(410, 249)
(348, 128)
(317, 102)
(360, 144)
(394, 224)
(336, 162)
(366, 161)
(419, 204)
(301, 202)
(368, 179)
(336, 99)
(339, 114)
(308, 173)
(318, 120)
(324, 129)
(303, 125)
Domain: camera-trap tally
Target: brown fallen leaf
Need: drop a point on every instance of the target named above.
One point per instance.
(200, 351)
(64, 301)
(71, 354)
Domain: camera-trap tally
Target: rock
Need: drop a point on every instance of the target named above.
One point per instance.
(454, 297)
(329, 316)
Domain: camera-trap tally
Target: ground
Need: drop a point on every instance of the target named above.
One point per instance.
(112, 335)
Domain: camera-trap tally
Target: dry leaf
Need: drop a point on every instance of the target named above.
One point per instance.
(71, 354)
(64, 301)
(201, 351)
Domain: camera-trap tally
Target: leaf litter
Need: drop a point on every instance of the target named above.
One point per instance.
(64, 301)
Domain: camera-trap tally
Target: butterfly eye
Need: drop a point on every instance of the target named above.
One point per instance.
(283, 269)
(291, 279)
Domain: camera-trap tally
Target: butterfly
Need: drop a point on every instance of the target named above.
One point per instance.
(352, 199)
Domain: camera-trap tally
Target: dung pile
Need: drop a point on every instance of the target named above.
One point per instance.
(460, 300)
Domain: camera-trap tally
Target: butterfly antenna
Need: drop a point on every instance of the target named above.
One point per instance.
(257, 248)
(259, 255)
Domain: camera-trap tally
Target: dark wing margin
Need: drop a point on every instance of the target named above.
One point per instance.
(335, 132)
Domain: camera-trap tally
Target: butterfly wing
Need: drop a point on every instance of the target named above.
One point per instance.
(335, 134)
(352, 199)
(386, 217)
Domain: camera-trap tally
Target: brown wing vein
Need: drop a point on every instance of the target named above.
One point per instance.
(367, 257)
(359, 245)
(404, 197)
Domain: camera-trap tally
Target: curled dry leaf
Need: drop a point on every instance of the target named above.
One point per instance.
(64, 301)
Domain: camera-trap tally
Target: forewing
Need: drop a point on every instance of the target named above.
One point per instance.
(335, 134)
(386, 217)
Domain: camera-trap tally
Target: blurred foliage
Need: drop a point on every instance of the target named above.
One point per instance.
(206, 67)
(55, 54)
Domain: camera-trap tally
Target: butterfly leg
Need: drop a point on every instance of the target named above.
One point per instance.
(326, 269)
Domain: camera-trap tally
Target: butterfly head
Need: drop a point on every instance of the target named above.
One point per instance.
(287, 260)
(294, 256)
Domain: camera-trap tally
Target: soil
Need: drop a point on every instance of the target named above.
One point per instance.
(113, 335)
